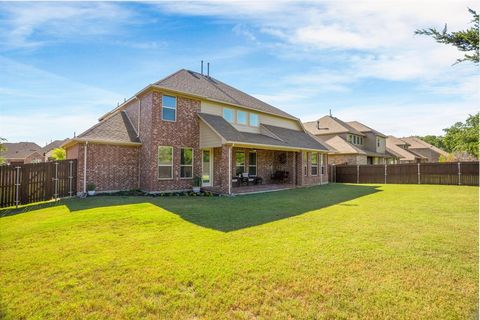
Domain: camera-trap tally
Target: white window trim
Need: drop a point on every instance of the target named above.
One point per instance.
(246, 117)
(234, 113)
(256, 160)
(186, 165)
(174, 109)
(305, 164)
(258, 119)
(164, 165)
(313, 165)
(244, 161)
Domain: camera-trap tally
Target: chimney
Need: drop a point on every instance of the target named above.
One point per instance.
(208, 69)
(201, 67)
(318, 124)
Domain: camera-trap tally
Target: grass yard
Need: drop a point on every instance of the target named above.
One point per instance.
(330, 252)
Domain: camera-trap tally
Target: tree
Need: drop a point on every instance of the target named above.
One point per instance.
(59, 154)
(465, 40)
(463, 136)
(2, 148)
(436, 141)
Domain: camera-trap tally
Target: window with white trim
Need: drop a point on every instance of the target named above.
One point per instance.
(186, 163)
(241, 117)
(229, 115)
(305, 163)
(169, 108)
(254, 121)
(165, 162)
(314, 163)
(322, 167)
(239, 162)
(252, 163)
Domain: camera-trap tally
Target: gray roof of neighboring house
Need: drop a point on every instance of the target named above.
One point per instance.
(286, 137)
(116, 128)
(20, 150)
(201, 85)
(53, 145)
(363, 128)
(341, 146)
(330, 125)
(396, 141)
(417, 143)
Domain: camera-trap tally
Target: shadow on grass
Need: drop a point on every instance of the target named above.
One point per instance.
(229, 213)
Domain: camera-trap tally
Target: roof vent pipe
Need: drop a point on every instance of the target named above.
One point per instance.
(201, 67)
(208, 69)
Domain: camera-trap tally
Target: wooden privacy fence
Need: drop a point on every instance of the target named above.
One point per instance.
(454, 173)
(28, 183)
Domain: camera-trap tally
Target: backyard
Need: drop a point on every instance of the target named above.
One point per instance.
(339, 251)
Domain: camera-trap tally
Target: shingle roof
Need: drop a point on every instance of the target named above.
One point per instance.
(20, 150)
(53, 145)
(200, 85)
(396, 141)
(286, 137)
(330, 125)
(416, 143)
(116, 128)
(340, 145)
(363, 128)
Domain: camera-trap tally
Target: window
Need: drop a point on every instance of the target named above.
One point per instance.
(239, 162)
(252, 163)
(305, 164)
(186, 163)
(350, 138)
(379, 142)
(254, 120)
(169, 108)
(322, 168)
(228, 114)
(242, 117)
(314, 164)
(165, 162)
(361, 140)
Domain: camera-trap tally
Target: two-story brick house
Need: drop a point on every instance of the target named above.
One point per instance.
(350, 142)
(187, 125)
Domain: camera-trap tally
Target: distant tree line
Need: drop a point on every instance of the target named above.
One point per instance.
(461, 139)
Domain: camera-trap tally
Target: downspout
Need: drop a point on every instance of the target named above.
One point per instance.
(230, 169)
(138, 134)
(85, 168)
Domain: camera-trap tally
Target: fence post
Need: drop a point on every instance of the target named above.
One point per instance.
(385, 173)
(459, 174)
(17, 185)
(70, 177)
(358, 173)
(56, 181)
(418, 172)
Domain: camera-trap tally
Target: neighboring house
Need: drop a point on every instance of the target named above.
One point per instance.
(351, 142)
(424, 149)
(22, 152)
(401, 150)
(48, 149)
(189, 125)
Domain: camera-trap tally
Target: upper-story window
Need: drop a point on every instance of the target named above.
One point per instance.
(254, 122)
(242, 117)
(229, 115)
(379, 142)
(352, 138)
(169, 108)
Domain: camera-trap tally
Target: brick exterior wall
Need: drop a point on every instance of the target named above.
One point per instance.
(309, 179)
(221, 178)
(109, 167)
(184, 132)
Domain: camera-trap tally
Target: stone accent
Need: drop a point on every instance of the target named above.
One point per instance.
(109, 167)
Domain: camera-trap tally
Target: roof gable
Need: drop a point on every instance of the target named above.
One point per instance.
(363, 128)
(116, 128)
(330, 125)
(194, 83)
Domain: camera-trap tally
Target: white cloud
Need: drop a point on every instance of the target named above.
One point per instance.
(27, 91)
(33, 24)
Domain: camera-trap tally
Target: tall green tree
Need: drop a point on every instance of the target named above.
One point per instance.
(463, 136)
(465, 40)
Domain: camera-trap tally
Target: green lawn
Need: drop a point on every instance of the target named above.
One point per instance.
(330, 252)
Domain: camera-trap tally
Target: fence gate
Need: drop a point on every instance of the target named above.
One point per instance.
(28, 183)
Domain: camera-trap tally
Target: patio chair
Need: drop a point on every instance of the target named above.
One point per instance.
(246, 178)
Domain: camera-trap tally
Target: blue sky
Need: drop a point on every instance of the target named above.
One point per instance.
(64, 64)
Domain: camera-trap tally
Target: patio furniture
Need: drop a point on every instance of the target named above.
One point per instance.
(246, 178)
(236, 180)
(280, 175)
(258, 180)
